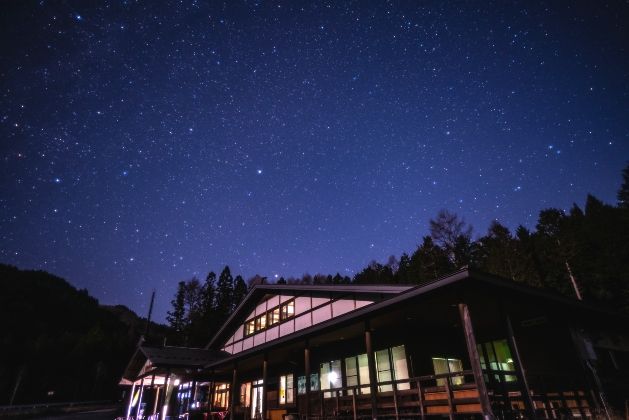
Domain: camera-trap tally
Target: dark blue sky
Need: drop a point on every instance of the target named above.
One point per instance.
(146, 142)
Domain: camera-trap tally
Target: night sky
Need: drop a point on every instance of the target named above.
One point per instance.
(146, 142)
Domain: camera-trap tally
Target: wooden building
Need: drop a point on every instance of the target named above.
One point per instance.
(466, 345)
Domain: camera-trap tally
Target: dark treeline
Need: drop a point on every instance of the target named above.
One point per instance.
(200, 308)
(582, 253)
(58, 343)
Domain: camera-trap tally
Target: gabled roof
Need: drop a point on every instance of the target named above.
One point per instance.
(259, 292)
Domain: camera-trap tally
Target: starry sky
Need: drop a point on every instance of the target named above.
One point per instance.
(145, 142)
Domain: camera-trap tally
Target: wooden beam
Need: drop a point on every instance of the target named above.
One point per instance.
(470, 341)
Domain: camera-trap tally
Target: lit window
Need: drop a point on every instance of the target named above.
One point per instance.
(331, 376)
(391, 366)
(274, 316)
(250, 327)
(444, 365)
(260, 322)
(497, 356)
(221, 396)
(245, 394)
(286, 389)
(301, 383)
(288, 309)
(357, 373)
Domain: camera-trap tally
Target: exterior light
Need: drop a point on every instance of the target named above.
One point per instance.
(333, 377)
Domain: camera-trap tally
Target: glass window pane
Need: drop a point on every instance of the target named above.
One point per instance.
(301, 385)
(441, 366)
(274, 316)
(289, 388)
(282, 390)
(250, 327)
(383, 368)
(314, 382)
(351, 372)
(400, 367)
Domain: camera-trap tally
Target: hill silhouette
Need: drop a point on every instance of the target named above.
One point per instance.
(58, 343)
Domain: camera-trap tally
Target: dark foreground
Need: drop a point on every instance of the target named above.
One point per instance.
(102, 414)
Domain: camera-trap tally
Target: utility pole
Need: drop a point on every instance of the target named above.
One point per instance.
(148, 319)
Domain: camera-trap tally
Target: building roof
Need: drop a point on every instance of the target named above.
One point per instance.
(462, 276)
(170, 357)
(259, 292)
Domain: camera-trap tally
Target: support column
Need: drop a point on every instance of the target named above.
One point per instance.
(373, 377)
(210, 395)
(589, 371)
(130, 400)
(193, 395)
(166, 396)
(232, 393)
(470, 341)
(156, 402)
(139, 407)
(264, 380)
(307, 373)
(525, 391)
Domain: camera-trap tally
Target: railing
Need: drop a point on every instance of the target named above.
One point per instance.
(452, 394)
(553, 396)
(422, 396)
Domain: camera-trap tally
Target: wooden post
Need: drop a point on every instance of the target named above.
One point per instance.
(420, 400)
(373, 378)
(451, 405)
(130, 400)
(519, 369)
(210, 395)
(232, 393)
(264, 380)
(397, 412)
(307, 373)
(137, 410)
(354, 403)
(156, 400)
(166, 396)
(193, 395)
(472, 351)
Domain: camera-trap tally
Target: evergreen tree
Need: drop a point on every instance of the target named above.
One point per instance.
(623, 192)
(403, 274)
(240, 290)
(176, 317)
(281, 281)
(429, 262)
(224, 293)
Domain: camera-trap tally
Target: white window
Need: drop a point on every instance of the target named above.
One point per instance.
(286, 389)
(357, 373)
(391, 366)
(331, 376)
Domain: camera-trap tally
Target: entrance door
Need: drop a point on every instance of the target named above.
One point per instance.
(256, 399)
